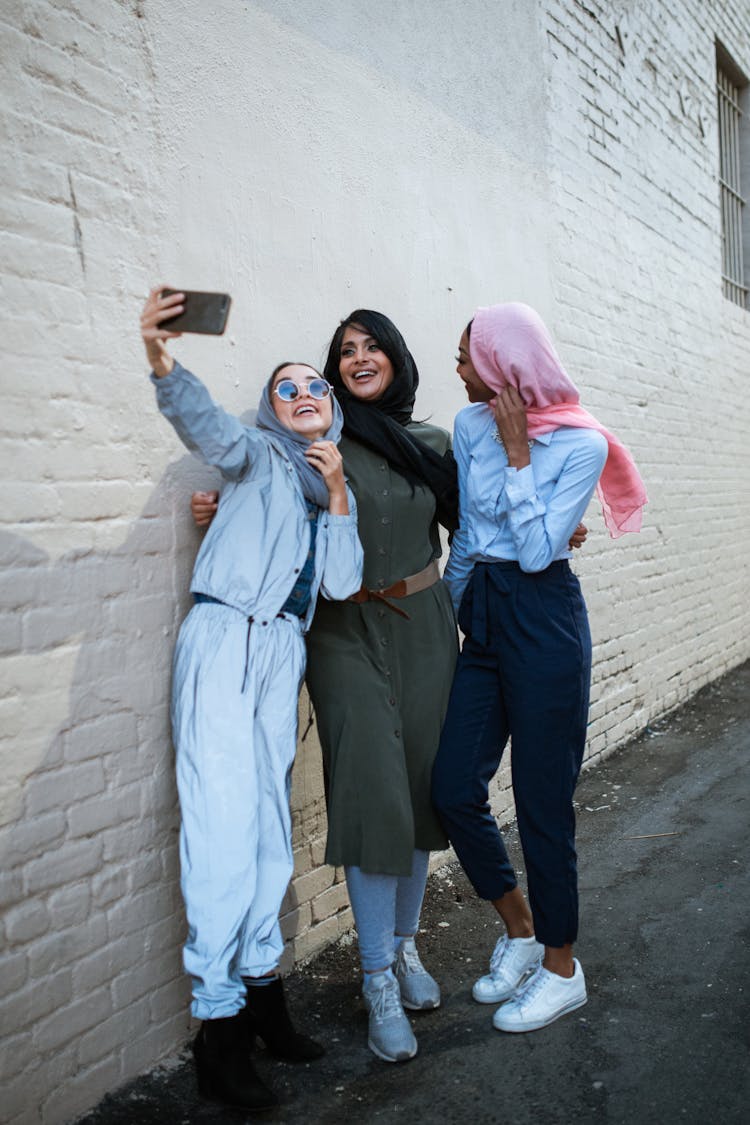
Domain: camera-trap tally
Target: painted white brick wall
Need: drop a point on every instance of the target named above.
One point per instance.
(92, 989)
(313, 158)
(663, 356)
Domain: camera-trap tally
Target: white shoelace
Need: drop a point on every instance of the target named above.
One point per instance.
(409, 958)
(499, 954)
(385, 1002)
(506, 954)
(528, 991)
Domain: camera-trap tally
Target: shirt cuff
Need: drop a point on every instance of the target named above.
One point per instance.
(167, 380)
(342, 520)
(519, 485)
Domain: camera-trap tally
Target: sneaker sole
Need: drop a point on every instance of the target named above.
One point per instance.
(429, 1007)
(501, 997)
(390, 1058)
(537, 1025)
(497, 998)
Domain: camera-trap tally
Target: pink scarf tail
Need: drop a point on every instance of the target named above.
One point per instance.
(621, 490)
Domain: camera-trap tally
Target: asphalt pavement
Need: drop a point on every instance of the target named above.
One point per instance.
(665, 933)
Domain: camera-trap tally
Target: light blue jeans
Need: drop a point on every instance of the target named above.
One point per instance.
(384, 906)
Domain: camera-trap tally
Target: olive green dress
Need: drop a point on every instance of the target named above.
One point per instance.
(379, 684)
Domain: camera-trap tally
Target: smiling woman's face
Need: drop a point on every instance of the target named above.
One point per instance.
(365, 369)
(475, 388)
(311, 417)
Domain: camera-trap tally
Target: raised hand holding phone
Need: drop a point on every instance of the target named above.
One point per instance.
(170, 312)
(204, 313)
(156, 310)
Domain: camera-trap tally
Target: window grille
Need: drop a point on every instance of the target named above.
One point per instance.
(733, 210)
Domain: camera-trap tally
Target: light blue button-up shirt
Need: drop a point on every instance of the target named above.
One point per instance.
(524, 515)
(258, 541)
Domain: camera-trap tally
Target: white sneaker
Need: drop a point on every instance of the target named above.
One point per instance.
(511, 961)
(541, 1000)
(419, 991)
(390, 1035)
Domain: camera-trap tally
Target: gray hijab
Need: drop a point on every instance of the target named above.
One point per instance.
(294, 445)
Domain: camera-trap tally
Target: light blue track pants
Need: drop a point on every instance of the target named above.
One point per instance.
(235, 751)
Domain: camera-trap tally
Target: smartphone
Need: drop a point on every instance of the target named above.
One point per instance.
(205, 313)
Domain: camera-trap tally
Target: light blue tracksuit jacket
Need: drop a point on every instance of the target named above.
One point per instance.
(235, 689)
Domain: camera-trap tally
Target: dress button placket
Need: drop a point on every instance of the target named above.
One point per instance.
(385, 511)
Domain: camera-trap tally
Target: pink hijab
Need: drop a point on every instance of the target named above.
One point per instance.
(510, 345)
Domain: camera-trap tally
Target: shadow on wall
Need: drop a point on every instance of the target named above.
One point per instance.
(357, 37)
(89, 842)
(93, 916)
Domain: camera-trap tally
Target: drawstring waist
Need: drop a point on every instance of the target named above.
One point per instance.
(501, 576)
(414, 584)
(206, 598)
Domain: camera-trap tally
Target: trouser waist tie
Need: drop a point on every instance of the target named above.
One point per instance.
(217, 601)
(499, 577)
(487, 575)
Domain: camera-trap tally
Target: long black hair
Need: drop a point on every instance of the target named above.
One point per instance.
(381, 424)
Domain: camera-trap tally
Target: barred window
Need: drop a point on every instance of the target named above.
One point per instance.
(734, 171)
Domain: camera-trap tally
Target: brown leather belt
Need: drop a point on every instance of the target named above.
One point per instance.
(401, 589)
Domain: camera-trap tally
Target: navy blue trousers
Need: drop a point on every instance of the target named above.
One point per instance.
(524, 672)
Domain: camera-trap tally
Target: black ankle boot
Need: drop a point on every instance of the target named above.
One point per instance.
(266, 1016)
(225, 1071)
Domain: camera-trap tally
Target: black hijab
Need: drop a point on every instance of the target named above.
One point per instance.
(381, 425)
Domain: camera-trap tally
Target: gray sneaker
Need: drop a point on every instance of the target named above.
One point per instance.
(512, 961)
(390, 1035)
(419, 991)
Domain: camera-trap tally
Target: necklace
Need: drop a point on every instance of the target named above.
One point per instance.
(496, 437)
